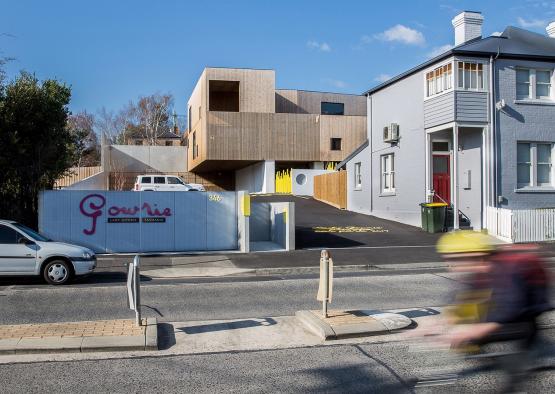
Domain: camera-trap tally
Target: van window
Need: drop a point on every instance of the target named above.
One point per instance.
(8, 235)
(146, 179)
(172, 180)
(159, 179)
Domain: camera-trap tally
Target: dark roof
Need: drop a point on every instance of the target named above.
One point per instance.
(353, 154)
(512, 43)
(169, 134)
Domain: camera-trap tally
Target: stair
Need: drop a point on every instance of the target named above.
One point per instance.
(464, 221)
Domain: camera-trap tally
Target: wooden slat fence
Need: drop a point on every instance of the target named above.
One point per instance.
(332, 189)
(76, 174)
(126, 180)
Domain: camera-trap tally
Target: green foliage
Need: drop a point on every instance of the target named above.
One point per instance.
(36, 147)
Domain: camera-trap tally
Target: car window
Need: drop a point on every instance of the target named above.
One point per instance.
(159, 179)
(172, 180)
(8, 235)
(146, 179)
(31, 233)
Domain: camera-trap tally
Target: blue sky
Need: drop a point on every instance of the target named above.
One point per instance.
(114, 51)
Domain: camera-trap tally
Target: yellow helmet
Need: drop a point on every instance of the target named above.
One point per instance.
(465, 241)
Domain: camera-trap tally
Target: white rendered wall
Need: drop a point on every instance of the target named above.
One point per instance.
(257, 178)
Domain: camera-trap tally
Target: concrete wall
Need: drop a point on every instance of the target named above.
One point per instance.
(131, 158)
(400, 103)
(94, 182)
(302, 181)
(257, 178)
(109, 221)
(273, 222)
(359, 200)
(520, 122)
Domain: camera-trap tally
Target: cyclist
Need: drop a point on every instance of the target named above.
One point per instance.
(506, 292)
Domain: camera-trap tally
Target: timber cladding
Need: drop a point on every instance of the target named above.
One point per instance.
(332, 189)
(284, 137)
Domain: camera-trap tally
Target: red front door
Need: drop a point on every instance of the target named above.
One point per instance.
(442, 178)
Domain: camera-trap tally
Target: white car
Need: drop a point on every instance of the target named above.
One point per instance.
(164, 183)
(24, 252)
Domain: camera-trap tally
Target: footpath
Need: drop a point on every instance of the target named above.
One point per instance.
(85, 336)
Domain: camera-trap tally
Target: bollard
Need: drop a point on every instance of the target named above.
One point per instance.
(326, 281)
(137, 289)
(325, 285)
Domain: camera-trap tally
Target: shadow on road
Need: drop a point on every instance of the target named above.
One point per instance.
(234, 325)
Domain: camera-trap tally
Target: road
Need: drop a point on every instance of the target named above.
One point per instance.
(367, 367)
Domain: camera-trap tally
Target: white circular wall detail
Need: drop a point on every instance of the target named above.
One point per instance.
(301, 179)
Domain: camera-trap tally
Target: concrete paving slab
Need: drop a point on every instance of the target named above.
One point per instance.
(112, 344)
(151, 334)
(49, 345)
(8, 346)
(192, 272)
(350, 324)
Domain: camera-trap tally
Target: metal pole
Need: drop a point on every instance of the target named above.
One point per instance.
(326, 268)
(137, 289)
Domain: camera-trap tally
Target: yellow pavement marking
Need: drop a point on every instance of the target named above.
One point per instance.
(349, 229)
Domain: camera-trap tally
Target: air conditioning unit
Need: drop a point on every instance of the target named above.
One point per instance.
(391, 133)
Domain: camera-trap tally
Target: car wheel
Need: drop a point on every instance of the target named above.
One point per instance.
(57, 272)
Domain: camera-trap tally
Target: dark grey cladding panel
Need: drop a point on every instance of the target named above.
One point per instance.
(439, 110)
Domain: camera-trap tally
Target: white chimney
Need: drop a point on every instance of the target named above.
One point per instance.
(468, 26)
(551, 29)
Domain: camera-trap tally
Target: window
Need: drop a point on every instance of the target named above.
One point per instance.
(169, 143)
(533, 84)
(388, 173)
(335, 144)
(138, 142)
(358, 177)
(534, 164)
(440, 146)
(8, 235)
(223, 96)
(189, 120)
(172, 180)
(146, 179)
(159, 180)
(332, 108)
(31, 233)
(470, 76)
(439, 80)
(194, 145)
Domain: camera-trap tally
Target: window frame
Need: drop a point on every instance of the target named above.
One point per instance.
(387, 171)
(476, 68)
(358, 175)
(533, 84)
(534, 164)
(440, 79)
(335, 139)
(334, 103)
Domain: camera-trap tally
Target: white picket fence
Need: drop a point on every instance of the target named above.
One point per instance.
(522, 225)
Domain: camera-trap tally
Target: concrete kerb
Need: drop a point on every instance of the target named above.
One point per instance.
(116, 343)
(376, 323)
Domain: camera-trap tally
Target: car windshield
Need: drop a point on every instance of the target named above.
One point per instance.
(31, 233)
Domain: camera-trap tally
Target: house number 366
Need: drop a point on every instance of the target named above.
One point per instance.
(215, 197)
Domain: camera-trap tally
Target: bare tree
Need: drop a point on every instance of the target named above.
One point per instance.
(87, 150)
(111, 124)
(151, 116)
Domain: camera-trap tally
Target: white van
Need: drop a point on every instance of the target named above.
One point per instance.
(164, 183)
